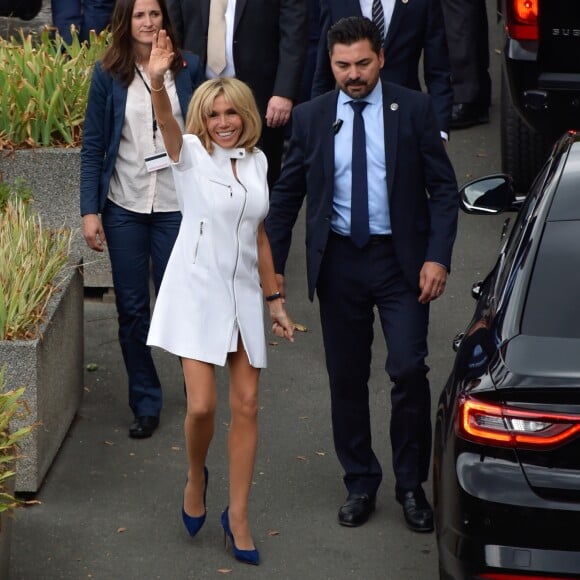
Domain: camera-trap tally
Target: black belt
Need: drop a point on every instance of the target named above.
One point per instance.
(376, 239)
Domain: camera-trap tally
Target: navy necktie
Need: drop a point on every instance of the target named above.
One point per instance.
(379, 16)
(359, 203)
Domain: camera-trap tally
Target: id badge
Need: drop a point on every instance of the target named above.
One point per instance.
(156, 162)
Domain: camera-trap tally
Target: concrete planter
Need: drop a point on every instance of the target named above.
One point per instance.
(51, 369)
(54, 176)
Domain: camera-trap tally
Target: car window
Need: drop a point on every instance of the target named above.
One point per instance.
(551, 307)
(518, 237)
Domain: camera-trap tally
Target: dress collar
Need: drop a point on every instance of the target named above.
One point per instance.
(219, 153)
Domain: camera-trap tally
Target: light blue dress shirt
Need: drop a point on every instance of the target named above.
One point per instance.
(379, 218)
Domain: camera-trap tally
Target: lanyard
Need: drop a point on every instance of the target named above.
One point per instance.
(152, 109)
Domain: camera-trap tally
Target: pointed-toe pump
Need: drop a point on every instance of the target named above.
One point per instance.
(193, 525)
(245, 556)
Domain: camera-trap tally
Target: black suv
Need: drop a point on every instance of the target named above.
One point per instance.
(540, 89)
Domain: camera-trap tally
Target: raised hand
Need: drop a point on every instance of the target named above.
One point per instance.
(161, 56)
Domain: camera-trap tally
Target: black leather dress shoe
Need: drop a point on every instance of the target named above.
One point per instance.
(416, 509)
(465, 115)
(356, 509)
(143, 427)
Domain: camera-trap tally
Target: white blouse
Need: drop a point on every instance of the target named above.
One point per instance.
(131, 186)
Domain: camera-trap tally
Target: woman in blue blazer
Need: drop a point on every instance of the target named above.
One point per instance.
(125, 177)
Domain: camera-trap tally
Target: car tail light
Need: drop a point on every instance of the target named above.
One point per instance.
(505, 426)
(522, 19)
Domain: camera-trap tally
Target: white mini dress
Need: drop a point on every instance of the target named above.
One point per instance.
(210, 293)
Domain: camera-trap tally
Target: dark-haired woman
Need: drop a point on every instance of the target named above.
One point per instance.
(125, 177)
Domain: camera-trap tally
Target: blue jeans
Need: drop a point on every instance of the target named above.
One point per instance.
(139, 245)
(86, 15)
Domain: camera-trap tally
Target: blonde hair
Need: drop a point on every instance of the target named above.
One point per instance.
(239, 95)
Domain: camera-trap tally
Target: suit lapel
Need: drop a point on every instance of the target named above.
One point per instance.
(240, 6)
(119, 103)
(391, 122)
(396, 18)
(205, 14)
(327, 119)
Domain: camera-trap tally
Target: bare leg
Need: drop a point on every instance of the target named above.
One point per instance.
(242, 443)
(199, 429)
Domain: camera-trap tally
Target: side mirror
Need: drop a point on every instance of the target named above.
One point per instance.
(488, 195)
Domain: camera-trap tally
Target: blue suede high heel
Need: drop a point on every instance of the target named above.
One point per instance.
(245, 556)
(193, 525)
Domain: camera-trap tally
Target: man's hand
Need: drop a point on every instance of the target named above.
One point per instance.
(278, 112)
(93, 232)
(432, 279)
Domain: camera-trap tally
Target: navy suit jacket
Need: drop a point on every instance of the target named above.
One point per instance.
(103, 125)
(270, 42)
(416, 28)
(421, 185)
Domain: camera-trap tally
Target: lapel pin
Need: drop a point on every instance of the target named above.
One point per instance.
(394, 106)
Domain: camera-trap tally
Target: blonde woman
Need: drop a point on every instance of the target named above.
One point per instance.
(209, 310)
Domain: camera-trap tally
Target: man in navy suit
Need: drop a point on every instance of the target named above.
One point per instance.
(412, 28)
(398, 267)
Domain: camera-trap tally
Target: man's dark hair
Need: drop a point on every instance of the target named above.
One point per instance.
(352, 29)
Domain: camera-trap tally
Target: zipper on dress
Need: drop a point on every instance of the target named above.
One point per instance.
(198, 240)
(229, 187)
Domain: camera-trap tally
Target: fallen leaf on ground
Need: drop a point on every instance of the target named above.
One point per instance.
(175, 448)
(300, 327)
(121, 530)
(273, 343)
(273, 533)
(108, 442)
(92, 367)
(301, 458)
(321, 453)
(224, 570)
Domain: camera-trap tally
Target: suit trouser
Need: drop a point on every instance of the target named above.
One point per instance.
(468, 42)
(86, 15)
(352, 282)
(135, 241)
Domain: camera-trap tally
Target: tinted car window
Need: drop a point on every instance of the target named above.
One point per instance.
(552, 306)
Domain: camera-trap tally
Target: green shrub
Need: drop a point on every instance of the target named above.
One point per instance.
(45, 84)
(32, 258)
(10, 406)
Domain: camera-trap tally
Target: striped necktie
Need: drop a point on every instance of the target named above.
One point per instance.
(379, 16)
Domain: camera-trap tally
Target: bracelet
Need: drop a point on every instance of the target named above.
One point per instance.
(157, 90)
(274, 296)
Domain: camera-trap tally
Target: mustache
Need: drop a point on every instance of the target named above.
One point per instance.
(355, 82)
